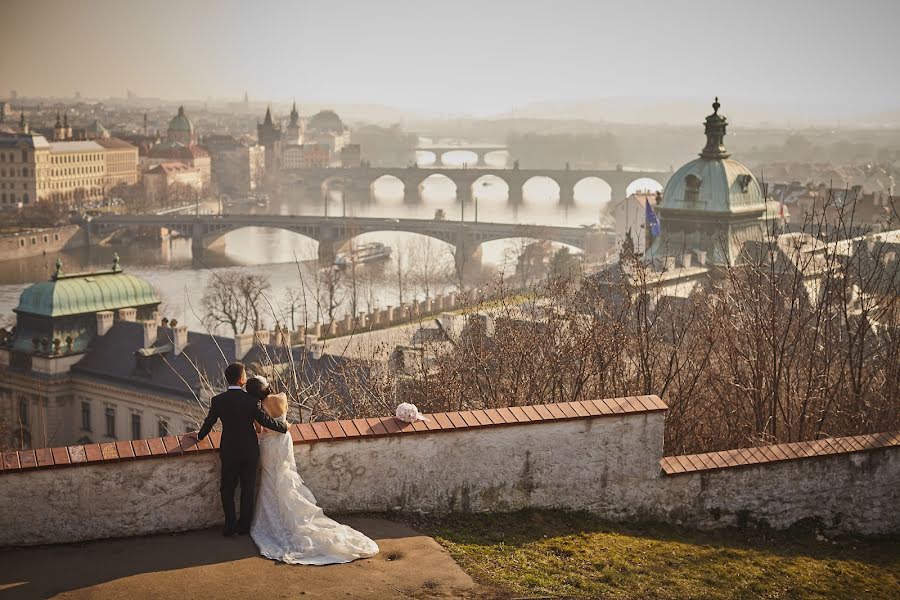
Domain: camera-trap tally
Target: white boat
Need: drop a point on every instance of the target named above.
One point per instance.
(363, 253)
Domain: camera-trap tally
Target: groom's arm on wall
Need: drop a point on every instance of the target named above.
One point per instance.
(210, 420)
(268, 422)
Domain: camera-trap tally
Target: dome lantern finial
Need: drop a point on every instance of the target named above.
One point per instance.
(115, 265)
(715, 134)
(59, 270)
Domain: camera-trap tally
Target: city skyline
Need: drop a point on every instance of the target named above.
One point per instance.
(463, 59)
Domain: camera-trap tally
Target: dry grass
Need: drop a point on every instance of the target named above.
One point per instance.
(558, 555)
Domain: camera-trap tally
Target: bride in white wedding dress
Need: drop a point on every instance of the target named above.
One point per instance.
(288, 526)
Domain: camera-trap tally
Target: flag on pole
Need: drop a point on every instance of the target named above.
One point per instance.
(650, 218)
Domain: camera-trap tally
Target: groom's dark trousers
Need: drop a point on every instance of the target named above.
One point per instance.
(238, 450)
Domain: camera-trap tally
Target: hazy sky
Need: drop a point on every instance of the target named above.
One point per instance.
(477, 57)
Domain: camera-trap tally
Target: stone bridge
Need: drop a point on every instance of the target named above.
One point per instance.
(480, 152)
(355, 181)
(334, 234)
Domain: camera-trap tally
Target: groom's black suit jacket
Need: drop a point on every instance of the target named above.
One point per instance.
(238, 410)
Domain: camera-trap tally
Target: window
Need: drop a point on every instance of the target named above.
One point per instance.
(23, 412)
(110, 421)
(55, 237)
(86, 416)
(692, 188)
(163, 428)
(25, 172)
(25, 198)
(136, 426)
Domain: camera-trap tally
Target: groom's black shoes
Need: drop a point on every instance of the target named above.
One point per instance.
(243, 531)
(229, 532)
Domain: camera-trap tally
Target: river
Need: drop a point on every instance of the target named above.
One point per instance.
(288, 260)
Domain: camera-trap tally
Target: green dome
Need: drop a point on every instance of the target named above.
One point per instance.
(725, 185)
(86, 293)
(180, 122)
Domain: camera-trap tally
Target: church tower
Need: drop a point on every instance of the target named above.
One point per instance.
(269, 137)
(59, 134)
(294, 132)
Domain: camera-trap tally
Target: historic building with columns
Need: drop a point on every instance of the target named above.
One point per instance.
(90, 359)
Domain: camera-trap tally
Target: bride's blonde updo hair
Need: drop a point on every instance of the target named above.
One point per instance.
(275, 405)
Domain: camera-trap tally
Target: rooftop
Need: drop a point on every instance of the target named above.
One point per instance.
(75, 147)
(82, 293)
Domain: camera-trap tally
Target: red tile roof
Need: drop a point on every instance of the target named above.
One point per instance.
(745, 457)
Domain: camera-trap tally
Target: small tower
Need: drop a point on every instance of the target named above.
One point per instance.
(145, 124)
(67, 130)
(293, 133)
(23, 124)
(269, 137)
(59, 134)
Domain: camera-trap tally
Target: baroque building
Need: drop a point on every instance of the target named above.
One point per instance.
(90, 360)
(712, 205)
(181, 146)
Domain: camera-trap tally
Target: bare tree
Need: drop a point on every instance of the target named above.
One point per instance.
(235, 300)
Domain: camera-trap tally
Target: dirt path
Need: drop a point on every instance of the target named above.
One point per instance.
(203, 564)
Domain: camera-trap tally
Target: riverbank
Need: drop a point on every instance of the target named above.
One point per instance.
(28, 242)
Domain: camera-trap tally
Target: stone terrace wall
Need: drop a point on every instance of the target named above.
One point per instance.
(603, 455)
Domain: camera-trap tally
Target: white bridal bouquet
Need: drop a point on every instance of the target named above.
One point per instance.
(408, 413)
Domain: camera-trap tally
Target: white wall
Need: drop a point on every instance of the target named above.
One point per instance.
(608, 465)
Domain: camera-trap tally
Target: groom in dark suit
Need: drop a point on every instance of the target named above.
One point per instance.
(239, 448)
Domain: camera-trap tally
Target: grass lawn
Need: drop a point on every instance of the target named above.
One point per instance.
(541, 554)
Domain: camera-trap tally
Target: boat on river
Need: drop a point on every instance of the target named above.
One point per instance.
(364, 253)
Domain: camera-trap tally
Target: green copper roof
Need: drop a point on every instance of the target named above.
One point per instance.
(86, 293)
(725, 186)
(180, 122)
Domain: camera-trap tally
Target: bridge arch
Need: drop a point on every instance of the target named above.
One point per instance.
(541, 190)
(388, 187)
(592, 191)
(497, 159)
(643, 184)
(279, 244)
(491, 189)
(460, 158)
(428, 158)
(441, 187)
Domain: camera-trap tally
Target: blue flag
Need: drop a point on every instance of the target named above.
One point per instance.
(650, 218)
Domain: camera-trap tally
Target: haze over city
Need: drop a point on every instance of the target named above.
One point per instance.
(471, 300)
(772, 60)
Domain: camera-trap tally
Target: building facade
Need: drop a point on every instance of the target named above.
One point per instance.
(237, 167)
(33, 169)
(172, 183)
(181, 146)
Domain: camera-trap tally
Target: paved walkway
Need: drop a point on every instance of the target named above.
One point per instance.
(203, 564)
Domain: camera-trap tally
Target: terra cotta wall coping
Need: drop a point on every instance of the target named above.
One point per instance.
(324, 431)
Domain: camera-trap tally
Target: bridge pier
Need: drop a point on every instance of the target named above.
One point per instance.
(438, 159)
(411, 194)
(515, 194)
(566, 194)
(464, 191)
(617, 190)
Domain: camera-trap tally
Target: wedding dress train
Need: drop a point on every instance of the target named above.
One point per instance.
(288, 526)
